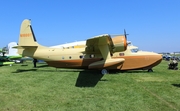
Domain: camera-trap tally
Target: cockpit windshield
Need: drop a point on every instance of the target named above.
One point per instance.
(135, 50)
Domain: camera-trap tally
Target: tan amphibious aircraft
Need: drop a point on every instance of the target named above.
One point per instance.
(100, 53)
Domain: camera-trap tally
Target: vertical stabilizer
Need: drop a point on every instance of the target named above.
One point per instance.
(27, 37)
(27, 41)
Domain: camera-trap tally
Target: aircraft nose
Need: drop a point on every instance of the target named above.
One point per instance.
(158, 59)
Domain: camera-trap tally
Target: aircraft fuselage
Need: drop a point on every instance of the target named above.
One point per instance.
(75, 58)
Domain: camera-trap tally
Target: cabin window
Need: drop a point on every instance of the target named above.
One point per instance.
(81, 56)
(135, 50)
(62, 57)
(92, 55)
(70, 57)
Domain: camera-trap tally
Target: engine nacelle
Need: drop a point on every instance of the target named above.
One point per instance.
(120, 43)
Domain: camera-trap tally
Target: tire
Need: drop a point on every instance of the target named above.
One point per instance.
(104, 71)
(150, 70)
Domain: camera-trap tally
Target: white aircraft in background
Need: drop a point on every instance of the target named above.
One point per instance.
(9, 55)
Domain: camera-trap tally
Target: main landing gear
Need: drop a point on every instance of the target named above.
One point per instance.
(104, 71)
(150, 70)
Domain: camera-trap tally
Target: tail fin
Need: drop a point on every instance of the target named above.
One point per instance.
(27, 37)
(27, 41)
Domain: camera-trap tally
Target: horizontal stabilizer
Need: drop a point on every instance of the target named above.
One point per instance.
(6, 63)
(15, 57)
(24, 47)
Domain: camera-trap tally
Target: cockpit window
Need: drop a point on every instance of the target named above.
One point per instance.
(135, 50)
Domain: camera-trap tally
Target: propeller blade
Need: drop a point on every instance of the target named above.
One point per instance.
(125, 34)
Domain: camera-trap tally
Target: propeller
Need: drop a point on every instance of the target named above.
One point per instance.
(125, 34)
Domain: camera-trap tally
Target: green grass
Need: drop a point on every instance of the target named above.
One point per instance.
(47, 89)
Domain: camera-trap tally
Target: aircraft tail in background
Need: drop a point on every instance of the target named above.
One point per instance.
(12, 51)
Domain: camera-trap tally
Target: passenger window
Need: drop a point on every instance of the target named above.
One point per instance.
(81, 56)
(92, 56)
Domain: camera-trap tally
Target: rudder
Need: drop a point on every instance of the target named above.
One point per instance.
(27, 37)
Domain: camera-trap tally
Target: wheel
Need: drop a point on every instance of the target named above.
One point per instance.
(150, 70)
(176, 68)
(104, 71)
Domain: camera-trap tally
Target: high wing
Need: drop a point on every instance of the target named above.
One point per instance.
(104, 46)
(100, 44)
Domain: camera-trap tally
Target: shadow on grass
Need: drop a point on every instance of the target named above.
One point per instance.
(41, 66)
(44, 70)
(24, 65)
(24, 70)
(88, 79)
(176, 85)
(127, 71)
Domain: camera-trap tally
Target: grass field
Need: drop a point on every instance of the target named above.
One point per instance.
(47, 89)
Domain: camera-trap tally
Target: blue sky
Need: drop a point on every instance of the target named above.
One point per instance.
(152, 25)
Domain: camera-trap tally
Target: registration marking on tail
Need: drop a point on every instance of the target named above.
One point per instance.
(26, 35)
